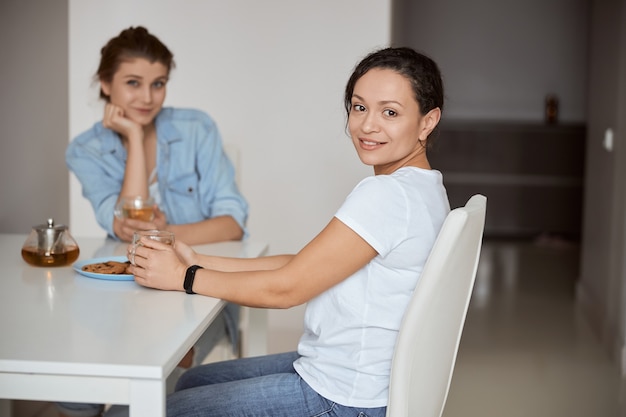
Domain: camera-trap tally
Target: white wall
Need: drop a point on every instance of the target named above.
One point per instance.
(272, 75)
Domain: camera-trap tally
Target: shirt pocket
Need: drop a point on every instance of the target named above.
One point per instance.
(184, 199)
(185, 186)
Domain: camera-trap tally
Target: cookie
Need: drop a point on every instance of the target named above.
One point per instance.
(109, 267)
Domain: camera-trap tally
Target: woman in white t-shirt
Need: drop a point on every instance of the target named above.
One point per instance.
(357, 275)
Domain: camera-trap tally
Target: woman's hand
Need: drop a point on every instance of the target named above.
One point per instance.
(125, 228)
(115, 119)
(158, 265)
(187, 255)
(160, 219)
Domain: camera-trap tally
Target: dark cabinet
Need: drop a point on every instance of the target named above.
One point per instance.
(532, 174)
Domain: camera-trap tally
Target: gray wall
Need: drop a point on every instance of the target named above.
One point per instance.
(500, 59)
(603, 269)
(33, 113)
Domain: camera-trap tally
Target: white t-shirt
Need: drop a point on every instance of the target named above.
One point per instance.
(350, 330)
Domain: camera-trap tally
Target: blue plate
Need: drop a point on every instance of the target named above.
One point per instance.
(109, 277)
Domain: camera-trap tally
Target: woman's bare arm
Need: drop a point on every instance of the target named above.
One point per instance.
(216, 229)
(272, 282)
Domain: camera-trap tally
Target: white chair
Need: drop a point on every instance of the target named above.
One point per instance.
(253, 322)
(429, 337)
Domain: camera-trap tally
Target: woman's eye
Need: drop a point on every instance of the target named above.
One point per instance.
(358, 107)
(159, 84)
(134, 83)
(390, 113)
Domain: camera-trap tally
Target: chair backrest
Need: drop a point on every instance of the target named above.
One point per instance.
(430, 333)
(232, 151)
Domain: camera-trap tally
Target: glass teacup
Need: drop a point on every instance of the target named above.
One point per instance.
(157, 235)
(138, 208)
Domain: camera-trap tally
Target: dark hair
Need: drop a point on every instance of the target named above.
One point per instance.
(421, 71)
(134, 42)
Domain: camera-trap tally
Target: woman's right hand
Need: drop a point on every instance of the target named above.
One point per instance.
(115, 119)
(157, 265)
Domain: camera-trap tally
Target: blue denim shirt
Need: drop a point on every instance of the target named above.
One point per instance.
(195, 177)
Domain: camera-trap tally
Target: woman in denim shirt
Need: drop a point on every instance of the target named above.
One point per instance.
(172, 155)
(143, 149)
(196, 181)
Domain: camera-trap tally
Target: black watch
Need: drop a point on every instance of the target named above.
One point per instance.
(190, 275)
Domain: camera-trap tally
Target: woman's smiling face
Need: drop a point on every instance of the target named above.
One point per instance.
(385, 122)
(138, 87)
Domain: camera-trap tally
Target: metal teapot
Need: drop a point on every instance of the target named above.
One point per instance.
(50, 245)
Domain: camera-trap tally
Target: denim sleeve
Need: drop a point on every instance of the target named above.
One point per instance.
(99, 176)
(218, 189)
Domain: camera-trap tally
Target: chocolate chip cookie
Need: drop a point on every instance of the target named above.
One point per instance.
(109, 267)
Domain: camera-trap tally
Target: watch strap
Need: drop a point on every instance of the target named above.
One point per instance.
(190, 276)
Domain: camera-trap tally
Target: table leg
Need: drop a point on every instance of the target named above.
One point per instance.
(255, 343)
(147, 398)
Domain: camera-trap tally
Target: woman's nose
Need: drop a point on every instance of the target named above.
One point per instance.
(147, 95)
(370, 123)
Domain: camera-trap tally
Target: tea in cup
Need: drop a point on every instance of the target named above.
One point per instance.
(156, 235)
(138, 208)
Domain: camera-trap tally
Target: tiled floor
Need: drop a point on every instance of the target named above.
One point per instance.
(526, 350)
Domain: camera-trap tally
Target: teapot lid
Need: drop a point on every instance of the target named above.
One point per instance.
(50, 225)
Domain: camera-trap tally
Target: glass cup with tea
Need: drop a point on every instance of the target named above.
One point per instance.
(157, 235)
(138, 208)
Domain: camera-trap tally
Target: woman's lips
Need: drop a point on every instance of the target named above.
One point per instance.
(370, 144)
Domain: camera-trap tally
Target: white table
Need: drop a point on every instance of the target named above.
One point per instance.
(66, 337)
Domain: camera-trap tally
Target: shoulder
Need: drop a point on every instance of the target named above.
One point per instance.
(401, 184)
(179, 124)
(375, 192)
(378, 186)
(177, 115)
(97, 137)
(417, 176)
(93, 133)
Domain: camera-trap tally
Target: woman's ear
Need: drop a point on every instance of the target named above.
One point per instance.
(430, 122)
(105, 86)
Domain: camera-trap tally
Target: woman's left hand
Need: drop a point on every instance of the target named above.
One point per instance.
(125, 228)
(158, 266)
(160, 219)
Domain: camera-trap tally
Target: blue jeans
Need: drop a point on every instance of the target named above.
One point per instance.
(260, 386)
(265, 386)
